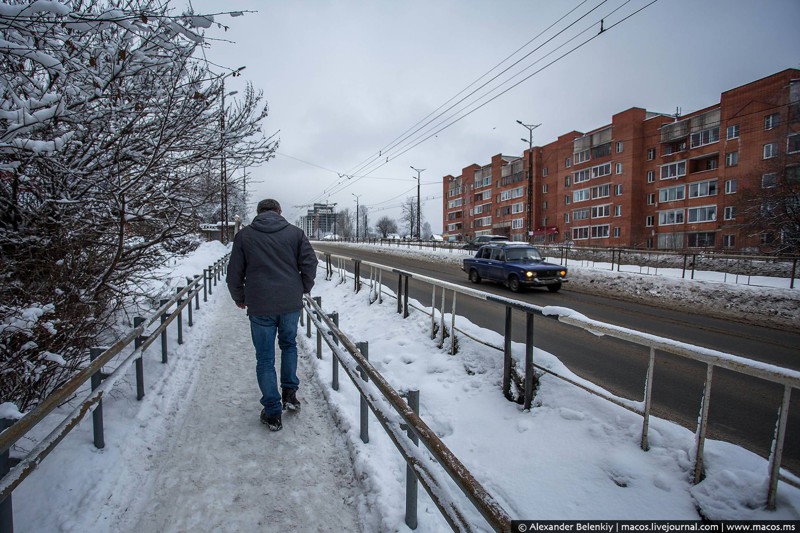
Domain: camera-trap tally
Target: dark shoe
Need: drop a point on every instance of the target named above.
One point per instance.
(272, 422)
(290, 401)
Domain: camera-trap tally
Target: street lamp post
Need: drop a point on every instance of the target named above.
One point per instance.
(357, 196)
(418, 171)
(529, 140)
(223, 167)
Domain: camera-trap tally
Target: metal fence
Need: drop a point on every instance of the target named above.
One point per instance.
(14, 472)
(402, 423)
(788, 379)
(735, 269)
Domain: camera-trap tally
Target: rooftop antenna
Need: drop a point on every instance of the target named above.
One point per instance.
(677, 112)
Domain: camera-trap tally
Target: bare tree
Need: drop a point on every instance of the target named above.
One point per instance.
(110, 135)
(409, 214)
(346, 227)
(386, 226)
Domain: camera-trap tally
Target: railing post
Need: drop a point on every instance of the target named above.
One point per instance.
(433, 313)
(318, 299)
(180, 317)
(196, 292)
(405, 298)
(528, 361)
(363, 347)
(164, 349)
(648, 394)
(411, 479)
(507, 355)
(794, 273)
(700, 437)
(97, 414)
(399, 293)
(210, 274)
(334, 360)
(357, 275)
(777, 448)
(137, 321)
(205, 286)
(216, 273)
(189, 297)
(6, 506)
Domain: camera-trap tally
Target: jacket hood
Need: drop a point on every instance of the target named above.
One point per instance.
(269, 222)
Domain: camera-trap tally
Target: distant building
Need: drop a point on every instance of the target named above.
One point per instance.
(646, 180)
(319, 221)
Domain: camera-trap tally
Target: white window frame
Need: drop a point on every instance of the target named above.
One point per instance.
(730, 186)
(769, 180)
(729, 213)
(671, 217)
(702, 189)
(601, 231)
(617, 232)
(582, 157)
(771, 121)
(703, 213)
(580, 234)
(618, 168)
(769, 151)
(618, 210)
(674, 170)
(732, 159)
(517, 223)
(672, 194)
(651, 154)
(651, 176)
(648, 221)
(732, 132)
(789, 143)
(601, 211)
(581, 176)
(704, 137)
(620, 146)
(517, 208)
(618, 189)
(601, 191)
(580, 214)
(601, 170)
(581, 195)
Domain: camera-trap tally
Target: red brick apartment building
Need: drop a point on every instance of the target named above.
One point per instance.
(646, 180)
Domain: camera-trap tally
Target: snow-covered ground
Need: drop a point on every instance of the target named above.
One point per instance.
(192, 455)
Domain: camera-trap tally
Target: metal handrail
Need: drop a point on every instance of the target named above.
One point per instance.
(21, 427)
(403, 414)
(788, 378)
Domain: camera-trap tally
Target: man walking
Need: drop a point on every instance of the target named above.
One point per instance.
(272, 264)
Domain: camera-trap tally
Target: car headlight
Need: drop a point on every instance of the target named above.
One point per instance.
(529, 274)
(563, 273)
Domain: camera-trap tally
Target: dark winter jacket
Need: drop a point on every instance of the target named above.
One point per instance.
(272, 264)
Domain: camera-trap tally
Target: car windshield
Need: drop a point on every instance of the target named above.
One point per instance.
(523, 254)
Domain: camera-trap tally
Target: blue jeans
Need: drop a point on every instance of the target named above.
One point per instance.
(263, 330)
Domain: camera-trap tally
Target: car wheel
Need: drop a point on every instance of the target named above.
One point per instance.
(514, 284)
(474, 277)
(554, 288)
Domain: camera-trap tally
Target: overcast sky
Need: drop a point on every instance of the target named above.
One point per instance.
(345, 79)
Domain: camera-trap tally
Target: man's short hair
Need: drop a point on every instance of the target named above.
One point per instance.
(268, 205)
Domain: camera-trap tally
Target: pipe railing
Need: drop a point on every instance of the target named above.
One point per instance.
(787, 378)
(403, 425)
(101, 383)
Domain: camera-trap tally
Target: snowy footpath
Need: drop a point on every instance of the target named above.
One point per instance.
(225, 471)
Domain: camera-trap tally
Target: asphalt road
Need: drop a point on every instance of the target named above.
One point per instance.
(743, 410)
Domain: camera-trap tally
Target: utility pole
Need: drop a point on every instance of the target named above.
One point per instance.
(357, 196)
(223, 167)
(418, 171)
(529, 218)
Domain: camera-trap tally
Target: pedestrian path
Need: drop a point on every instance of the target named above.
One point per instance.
(225, 471)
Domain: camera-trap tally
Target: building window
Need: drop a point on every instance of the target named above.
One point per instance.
(567, 199)
(706, 213)
(733, 132)
(544, 172)
(651, 198)
(670, 217)
(732, 159)
(770, 150)
(618, 168)
(581, 157)
(651, 154)
(567, 181)
(618, 189)
(579, 234)
(600, 232)
(617, 211)
(671, 194)
(701, 240)
(601, 211)
(649, 221)
(580, 214)
(673, 170)
(793, 143)
(601, 191)
(544, 204)
(517, 223)
(567, 162)
(651, 176)
(620, 146)
(730, 213)
(729, 241)
(704, 137)
(769, 181)
(730, 186)
(544, 188)
(703, 188)
(516, 208)
(771, 121)
(566, 218)
(601, 170)
(581, 195)
(616, 232)
(582, 175)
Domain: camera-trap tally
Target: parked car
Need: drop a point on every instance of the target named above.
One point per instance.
(393, 237)
(480, 240)
(514, 265)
